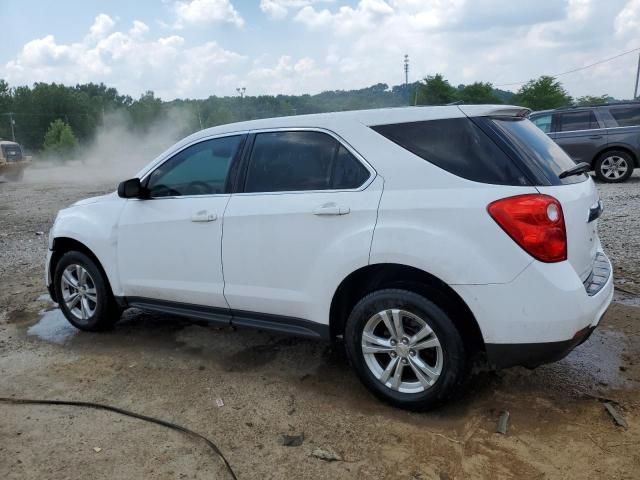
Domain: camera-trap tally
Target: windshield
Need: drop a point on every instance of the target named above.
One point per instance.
(538, 150)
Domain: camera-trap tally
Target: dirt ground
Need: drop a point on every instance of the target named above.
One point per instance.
(272, 385)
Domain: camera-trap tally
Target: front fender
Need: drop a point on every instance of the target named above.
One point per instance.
(94, 226)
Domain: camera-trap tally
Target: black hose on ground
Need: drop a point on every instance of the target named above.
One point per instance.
(122, 411)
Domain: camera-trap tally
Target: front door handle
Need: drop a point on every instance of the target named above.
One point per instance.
(204, 216)
(331, 209)
(595, 137)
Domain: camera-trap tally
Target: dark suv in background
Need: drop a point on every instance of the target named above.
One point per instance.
(607, 137)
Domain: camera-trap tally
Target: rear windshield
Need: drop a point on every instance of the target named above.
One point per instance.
(537, 150)
(458, 146)
(12, 153)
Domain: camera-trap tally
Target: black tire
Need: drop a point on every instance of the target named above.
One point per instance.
(603, 169)
(105, 312)
(452, 348)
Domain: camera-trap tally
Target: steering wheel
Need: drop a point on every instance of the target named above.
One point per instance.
(164, 191)
(199, 188)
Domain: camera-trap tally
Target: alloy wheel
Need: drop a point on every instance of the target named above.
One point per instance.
(79, 292)
(402, 351)
(614, 167)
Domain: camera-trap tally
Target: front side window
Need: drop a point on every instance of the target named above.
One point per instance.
(200, 169)
(301, 160)
(626, 116)
(543, 122)
(570, 121)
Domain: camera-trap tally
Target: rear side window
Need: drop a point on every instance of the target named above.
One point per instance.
(570, 121)
(537, 150)
(626, 116)
(458, 146)
(301, 160)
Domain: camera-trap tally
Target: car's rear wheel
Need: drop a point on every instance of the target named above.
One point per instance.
(614, 166)
(405, 349)
(83, 293)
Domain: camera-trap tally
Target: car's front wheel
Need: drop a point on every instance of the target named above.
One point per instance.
(405, 349)
(614, 166)
(83, 293)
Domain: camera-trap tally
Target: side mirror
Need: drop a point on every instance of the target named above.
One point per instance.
(131, 189)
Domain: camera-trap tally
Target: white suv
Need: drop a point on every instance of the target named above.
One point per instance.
(424, 237)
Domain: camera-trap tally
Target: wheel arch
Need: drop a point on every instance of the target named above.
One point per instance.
(392, 275)
(62, 245)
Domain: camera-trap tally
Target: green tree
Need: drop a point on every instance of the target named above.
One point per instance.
(588, 100)
(59, 139)
(477, 93)
(542, 93)
(435, 90)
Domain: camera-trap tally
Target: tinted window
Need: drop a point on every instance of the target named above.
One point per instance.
(543, 122)
(198, 170)
(347, 171)
(626, 116)
(458, 146)
(537, 150)
(294, 161)
(570, 121)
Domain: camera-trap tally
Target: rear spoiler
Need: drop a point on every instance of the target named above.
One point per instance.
(494, 111)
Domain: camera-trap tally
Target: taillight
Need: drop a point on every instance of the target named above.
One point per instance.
(535, 222)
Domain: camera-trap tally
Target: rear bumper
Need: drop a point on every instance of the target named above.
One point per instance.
(502, 355)
(9, 167)
(541, 315)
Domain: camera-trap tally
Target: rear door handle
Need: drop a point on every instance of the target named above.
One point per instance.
(331, 209)
(204, 216)
(595, 137)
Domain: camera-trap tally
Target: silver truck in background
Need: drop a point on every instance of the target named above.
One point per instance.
(606, 136)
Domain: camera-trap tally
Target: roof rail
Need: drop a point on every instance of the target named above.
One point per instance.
(605, 104)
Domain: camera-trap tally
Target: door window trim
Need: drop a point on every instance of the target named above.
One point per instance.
(232, 172)
(242, 178)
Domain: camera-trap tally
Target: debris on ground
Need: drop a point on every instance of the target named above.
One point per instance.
(219, 402)
(617, 417)
(503, 423)
(291, 440)
(327, 455)
(97, 449)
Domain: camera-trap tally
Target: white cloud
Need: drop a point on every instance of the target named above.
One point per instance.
(279, 9)
(193, 12)
(126, 60)
(628, 20)
(102, 25)
(288, 74)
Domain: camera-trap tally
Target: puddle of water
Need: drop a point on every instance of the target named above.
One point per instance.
(53, 327)
(600, 358)
(626, 299)
(45, 297)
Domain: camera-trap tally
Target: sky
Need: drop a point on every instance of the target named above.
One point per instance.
(198, 48)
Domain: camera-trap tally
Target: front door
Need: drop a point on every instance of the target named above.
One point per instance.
(169, 244)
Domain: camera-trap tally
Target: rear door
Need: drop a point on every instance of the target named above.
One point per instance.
(307, 210)
(580, 134)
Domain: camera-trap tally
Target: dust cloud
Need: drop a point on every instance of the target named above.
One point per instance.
(116, 153)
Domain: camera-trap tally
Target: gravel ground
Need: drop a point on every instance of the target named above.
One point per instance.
(273, 385)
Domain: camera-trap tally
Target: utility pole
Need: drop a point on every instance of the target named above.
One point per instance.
(406, 70)
(635, 90)
(12, 122)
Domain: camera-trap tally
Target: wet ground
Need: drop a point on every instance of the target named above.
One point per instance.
(272, 385)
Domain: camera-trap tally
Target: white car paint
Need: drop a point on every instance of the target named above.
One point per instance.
(269, 253)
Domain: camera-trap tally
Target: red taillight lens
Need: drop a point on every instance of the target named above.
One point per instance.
(535, 222)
